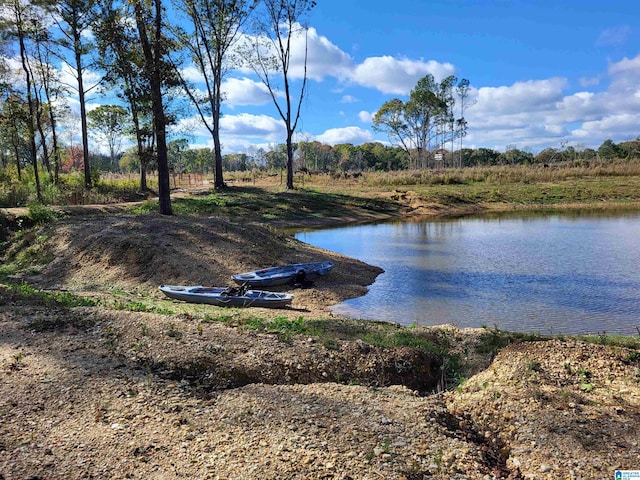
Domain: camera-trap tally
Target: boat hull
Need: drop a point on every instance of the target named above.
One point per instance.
(286, 274)
(224, 297)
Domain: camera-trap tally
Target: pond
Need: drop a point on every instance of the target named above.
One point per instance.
(549, 274)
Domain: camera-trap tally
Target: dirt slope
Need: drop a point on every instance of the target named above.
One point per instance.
(137, 253)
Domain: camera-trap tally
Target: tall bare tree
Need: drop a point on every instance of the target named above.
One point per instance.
(51, 90)
(214, 27)
(21, 20)
(462, 89)
(278, 24)
(110, 123)
(74, 19)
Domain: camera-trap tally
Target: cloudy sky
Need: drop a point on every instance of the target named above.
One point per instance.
(542, 72)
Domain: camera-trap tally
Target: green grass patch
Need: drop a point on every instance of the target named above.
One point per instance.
(630, 342)
(141, 307)
(52, 298)
(265, 204)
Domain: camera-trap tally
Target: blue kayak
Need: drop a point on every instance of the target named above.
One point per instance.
(227, 296)
(286, 274)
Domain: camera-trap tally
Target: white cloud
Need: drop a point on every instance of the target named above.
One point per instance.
(622, 126)
(247, 125)
(540, 114)
(244, 91)
(386, 74)
(348, 99)
(192, 73)
(68, 76)
(324, 59)
(625, 74)
(532, 114)
(365, 117)
(614, 36)
(521, 96)
(236, 131)
(589, 82)
(355, 135)
(397, 76)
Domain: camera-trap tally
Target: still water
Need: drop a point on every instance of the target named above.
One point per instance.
(544, 274)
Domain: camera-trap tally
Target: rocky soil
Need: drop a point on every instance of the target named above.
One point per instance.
(176, 391)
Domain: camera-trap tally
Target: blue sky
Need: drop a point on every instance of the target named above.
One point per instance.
(542, 72)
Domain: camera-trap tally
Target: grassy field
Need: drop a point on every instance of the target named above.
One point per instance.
(325, 199)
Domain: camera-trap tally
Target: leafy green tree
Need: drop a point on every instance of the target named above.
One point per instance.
(465, 157)
(347, 157)
(416, 123)
(484, 156)
(446, 120)
(608, 150)
(110, 123)
(316, 157)
(389, 119)
(514, 156)
(278, 23)
(5, 81)
(175, 151)
(630, 149)
(548, 155)
(129, 161)
(121, 59)
(589, 154)
(14, 121)
(276, 158)
(384, 157)
(237, 162)
(214, 27)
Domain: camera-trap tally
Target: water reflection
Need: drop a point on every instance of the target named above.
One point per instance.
(548, 274)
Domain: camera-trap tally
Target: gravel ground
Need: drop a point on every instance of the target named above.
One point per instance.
(102, 393)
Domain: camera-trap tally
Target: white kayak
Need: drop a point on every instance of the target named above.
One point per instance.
(227, 296)
(292, 273)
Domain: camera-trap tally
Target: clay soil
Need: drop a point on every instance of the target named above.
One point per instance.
(181, 391)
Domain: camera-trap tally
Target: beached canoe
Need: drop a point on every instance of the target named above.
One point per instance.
(286, 274)
(227, 296)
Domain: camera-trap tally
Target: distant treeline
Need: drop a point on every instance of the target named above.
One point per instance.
(312, 157)
(321, 158)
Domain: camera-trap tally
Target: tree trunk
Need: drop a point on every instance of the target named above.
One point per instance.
(32, 114)
(218, 176)
(83, 117)
(217, 149)
(152, 61)
(289, 160)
